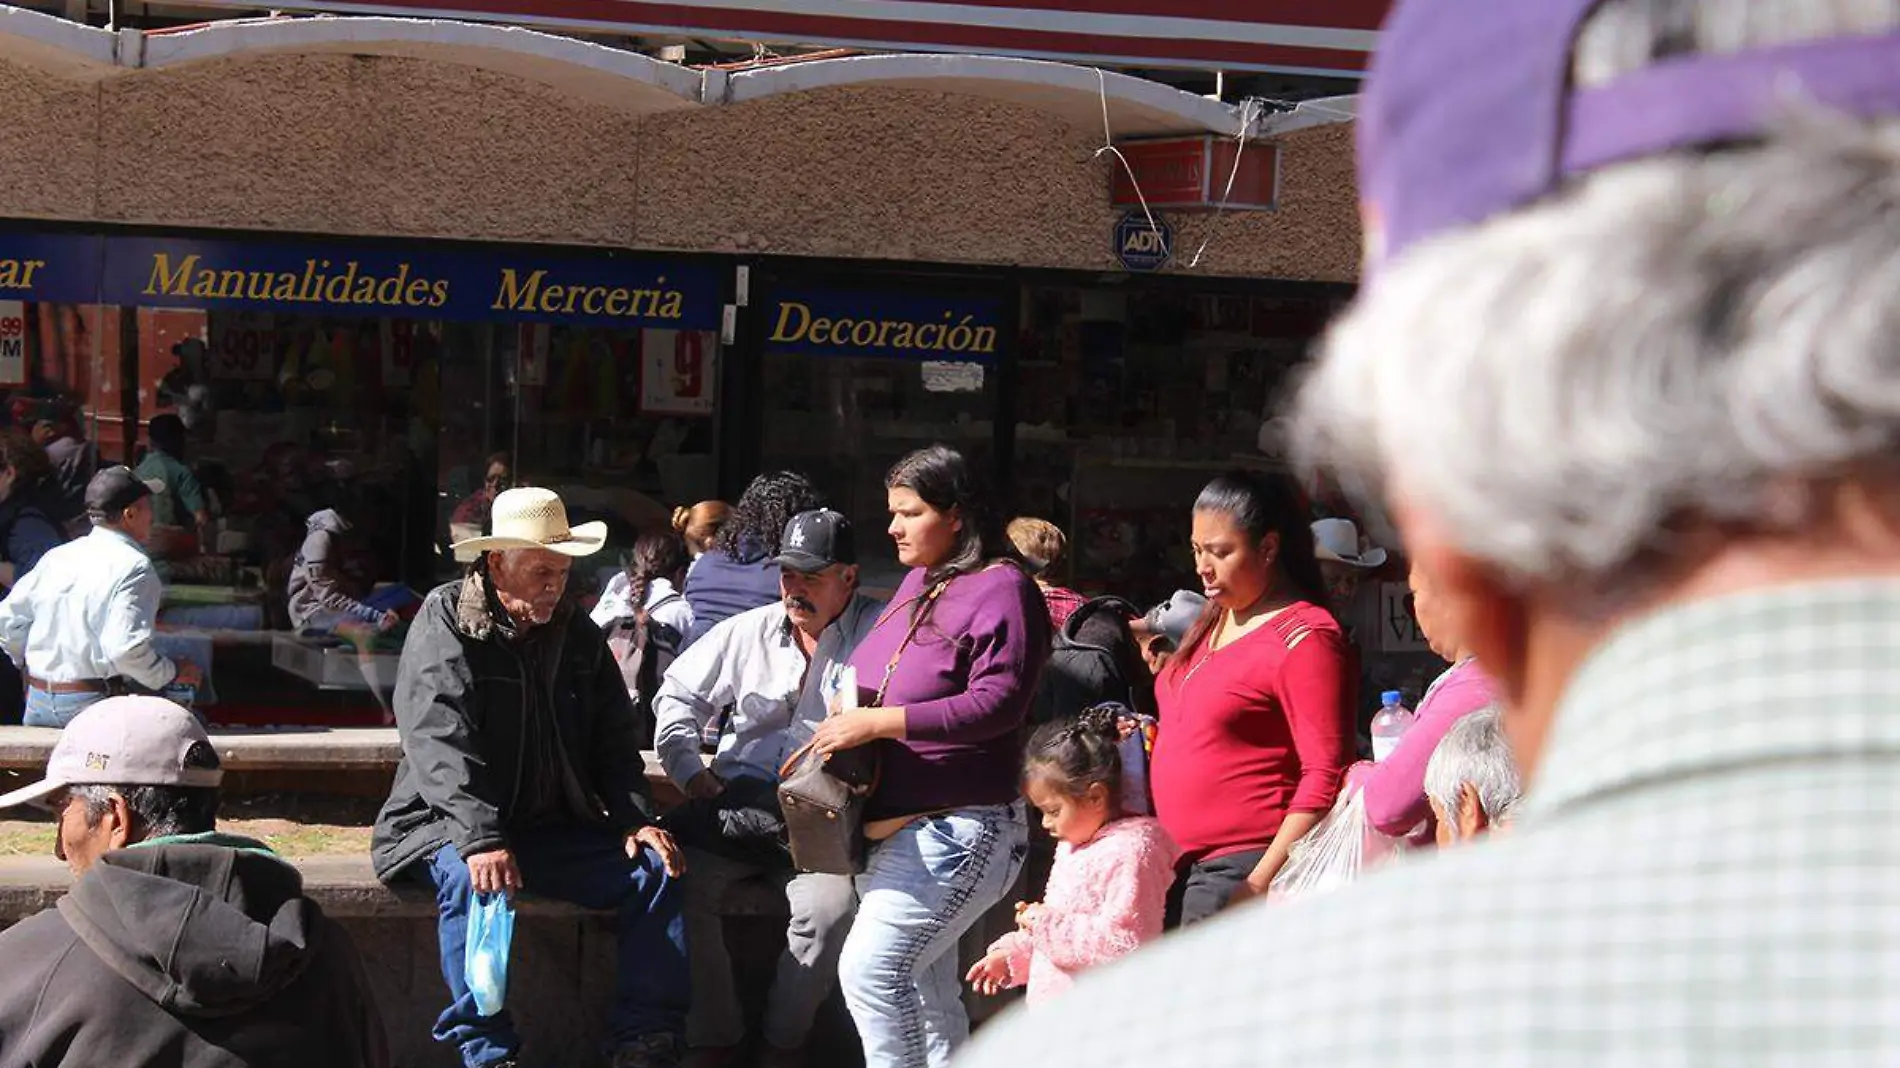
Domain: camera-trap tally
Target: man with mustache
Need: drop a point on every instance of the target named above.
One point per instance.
(764, 677)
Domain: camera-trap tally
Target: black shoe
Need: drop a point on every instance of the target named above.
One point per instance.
(649, 1051)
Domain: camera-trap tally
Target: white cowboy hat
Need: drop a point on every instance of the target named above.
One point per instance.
(534, 518)
(1338, 540)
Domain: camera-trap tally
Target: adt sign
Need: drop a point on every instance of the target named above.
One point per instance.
(1141, 246)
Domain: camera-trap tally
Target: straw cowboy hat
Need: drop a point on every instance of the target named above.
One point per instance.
(533, 518)
(1338, 540)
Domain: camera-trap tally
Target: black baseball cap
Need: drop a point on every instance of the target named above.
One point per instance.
(114, 489)
(816, 540)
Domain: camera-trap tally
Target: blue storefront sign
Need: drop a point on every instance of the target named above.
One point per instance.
(902, 326)
(51, 267)
(419, 282)
(1142, 245)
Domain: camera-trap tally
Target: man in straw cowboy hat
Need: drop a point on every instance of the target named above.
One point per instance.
(520, 771)
(1624, 373)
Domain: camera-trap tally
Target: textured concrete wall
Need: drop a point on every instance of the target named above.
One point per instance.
(364, 145)
(881, 173)
(913, 175)
(398, 146)
(48, 140)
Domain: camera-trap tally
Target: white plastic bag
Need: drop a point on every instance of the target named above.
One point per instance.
(1335, 852)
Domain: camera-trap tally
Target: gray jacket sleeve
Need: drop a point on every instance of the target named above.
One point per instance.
(438, 736)
(313, 588)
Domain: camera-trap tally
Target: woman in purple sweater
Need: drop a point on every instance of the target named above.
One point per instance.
(948, 673)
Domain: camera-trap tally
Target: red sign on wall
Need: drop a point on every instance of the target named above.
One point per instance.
(1303, 36)
(1192, 173)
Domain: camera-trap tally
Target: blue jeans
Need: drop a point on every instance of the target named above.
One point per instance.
(56, 709)
(922, 889)
(589, 867)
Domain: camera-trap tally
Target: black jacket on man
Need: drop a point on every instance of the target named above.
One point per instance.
(187, 955)
(492, 722)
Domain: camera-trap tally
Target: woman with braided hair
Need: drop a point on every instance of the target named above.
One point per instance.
(645, 620)
(649, 586)
(1108, 891)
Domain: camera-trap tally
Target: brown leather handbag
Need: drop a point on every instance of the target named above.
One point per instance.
(823, 798)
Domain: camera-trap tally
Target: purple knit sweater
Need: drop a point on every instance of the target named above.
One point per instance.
(965, 683)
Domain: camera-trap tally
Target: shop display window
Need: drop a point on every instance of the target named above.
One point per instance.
(843, 422)
(1130, 401)
(271, 418)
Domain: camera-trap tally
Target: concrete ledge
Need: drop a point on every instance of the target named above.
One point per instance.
(266, 749)
(345, 887)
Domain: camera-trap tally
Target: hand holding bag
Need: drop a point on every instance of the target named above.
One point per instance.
(823, 798)
(491, 932)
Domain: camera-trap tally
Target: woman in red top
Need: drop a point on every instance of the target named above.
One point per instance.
(1256, 722)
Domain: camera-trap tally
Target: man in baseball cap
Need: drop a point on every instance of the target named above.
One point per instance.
(1624, 373)
(765, 677)
(80, 624)
(177, 944)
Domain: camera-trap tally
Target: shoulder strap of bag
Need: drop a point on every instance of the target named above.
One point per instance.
(917, 617)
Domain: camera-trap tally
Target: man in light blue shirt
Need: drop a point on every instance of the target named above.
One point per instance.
(80, 623)
(769, 667)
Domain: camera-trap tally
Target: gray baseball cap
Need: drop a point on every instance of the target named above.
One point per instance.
(127, 741)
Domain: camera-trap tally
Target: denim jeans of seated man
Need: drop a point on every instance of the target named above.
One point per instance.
(56, 709)
(589, 867)
(921, 890)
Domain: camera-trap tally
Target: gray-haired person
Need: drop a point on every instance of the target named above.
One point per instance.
(1625, 373)
(1471, 780)
(178, 945)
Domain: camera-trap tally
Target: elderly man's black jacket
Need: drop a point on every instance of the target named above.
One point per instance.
(463, 691)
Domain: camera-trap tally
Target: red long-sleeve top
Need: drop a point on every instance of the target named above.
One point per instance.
(1253, 731)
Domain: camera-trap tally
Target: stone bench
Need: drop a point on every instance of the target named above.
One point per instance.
(344, 886)
(563, 973)
(350, 760)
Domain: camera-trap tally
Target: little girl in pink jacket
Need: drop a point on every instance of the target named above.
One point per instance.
(1109, 886)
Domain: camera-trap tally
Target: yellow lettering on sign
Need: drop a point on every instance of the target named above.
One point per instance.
(167, 282)
(18, 274)
(785, 311)
(513, 295)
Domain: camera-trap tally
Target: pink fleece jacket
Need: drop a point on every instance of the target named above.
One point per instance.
(1105, 898)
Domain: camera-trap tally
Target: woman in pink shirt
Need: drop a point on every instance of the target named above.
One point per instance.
(1395, 787)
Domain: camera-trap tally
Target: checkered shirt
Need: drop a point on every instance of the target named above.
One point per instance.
(1707, 873)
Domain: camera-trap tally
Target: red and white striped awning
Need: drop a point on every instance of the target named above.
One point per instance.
(1331, 37)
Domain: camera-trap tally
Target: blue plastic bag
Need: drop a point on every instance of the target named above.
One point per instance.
(491, 929)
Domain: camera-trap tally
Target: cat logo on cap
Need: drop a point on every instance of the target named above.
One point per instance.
(97, 761)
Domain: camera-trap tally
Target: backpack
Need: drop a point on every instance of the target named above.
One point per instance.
(1093, 659)
(635, 642)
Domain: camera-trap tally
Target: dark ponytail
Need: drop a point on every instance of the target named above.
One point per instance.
(1073, 754)
(1261, 504)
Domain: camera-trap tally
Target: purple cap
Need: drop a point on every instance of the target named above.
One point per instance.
(1469, 112)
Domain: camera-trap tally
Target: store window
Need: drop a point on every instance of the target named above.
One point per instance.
(1129, 400)
(854, 380)
(373, 397)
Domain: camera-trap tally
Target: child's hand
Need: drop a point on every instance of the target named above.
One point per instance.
(989, 975)
(1028, 914)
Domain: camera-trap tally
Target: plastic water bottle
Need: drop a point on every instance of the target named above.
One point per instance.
(1393, 720)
